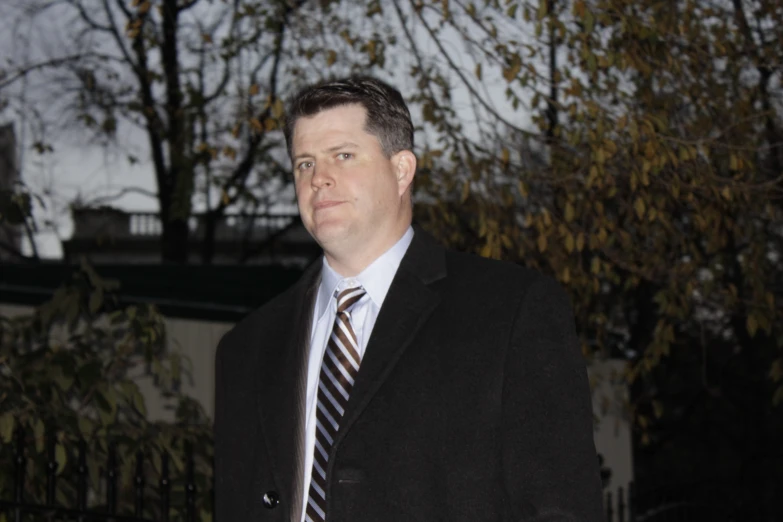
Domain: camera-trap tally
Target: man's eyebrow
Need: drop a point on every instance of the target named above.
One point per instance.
(302, 155)
(347, 144)
(343, 145)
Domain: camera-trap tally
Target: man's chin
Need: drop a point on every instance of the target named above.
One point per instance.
(332, 234)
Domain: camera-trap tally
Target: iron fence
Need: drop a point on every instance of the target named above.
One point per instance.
(106, 509)
(622, 504)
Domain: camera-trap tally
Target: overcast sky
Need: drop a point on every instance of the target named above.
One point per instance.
(79, 169)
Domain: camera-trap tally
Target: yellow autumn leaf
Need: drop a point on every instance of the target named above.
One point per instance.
(776, 371)
(511, 72)
(504, 156)
(7, 423)
(640, 207)
(595, 266)
(569, 242)
(752, 325)
(569, 212)
(61, 457)
(543, 8)
(542, 243)
(523, 191)
(278, 108)
(465, 191)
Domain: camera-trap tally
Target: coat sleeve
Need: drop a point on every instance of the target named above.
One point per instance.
(231, 504)
(550, 467)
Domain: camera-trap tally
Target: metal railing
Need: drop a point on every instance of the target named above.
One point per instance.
(89, 223)
(103, 505)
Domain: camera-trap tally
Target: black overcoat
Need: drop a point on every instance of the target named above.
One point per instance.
(471, 403)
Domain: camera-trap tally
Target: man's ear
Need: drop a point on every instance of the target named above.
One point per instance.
(404, 163)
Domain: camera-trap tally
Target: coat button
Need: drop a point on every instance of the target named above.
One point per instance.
(271, 499)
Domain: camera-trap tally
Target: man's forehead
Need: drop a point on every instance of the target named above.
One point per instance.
(330, 128)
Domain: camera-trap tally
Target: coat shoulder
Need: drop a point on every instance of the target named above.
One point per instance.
(501, 278)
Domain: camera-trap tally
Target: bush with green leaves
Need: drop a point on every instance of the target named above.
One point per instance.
(69, 372)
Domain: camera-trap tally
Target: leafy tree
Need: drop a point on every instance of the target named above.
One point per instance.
(70, 372)
(650, 186)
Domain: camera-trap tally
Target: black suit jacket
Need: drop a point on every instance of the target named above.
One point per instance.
(471, 404)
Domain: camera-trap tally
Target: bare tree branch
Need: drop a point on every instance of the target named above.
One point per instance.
(55, 62)
(468, 85)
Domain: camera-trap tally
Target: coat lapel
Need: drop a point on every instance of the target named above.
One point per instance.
(407, 306)
(282, 386)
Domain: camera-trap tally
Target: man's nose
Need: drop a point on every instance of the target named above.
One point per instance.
(322, 177)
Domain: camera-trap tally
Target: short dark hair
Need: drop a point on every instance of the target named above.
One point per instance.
(388, 117)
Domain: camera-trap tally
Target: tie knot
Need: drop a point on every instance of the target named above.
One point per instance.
(349, 297)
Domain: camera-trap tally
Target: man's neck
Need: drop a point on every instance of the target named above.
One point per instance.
(353, 264)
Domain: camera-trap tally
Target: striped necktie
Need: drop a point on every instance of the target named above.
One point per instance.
(339, 368)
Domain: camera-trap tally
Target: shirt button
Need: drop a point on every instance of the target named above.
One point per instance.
(271, 499)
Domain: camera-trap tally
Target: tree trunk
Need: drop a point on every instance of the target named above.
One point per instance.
(174, 241)
(551, 106)
(208, 239)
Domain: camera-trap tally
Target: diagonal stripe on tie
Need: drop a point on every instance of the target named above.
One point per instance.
(347, 345)
(339, 368)
(331, 377)
(341, 363)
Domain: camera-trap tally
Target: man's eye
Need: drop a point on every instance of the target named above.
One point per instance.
(344, 155)
(304, 165)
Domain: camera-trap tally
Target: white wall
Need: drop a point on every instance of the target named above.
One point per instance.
(612, 431)
(11, 310)
(197, 340)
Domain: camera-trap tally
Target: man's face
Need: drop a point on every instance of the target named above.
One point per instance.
(351, 197)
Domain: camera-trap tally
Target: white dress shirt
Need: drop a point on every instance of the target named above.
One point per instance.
(376, 280)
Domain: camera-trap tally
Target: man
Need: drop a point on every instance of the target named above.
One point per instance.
(397, 380)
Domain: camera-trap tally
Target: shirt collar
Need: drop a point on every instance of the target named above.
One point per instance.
(376, 278)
